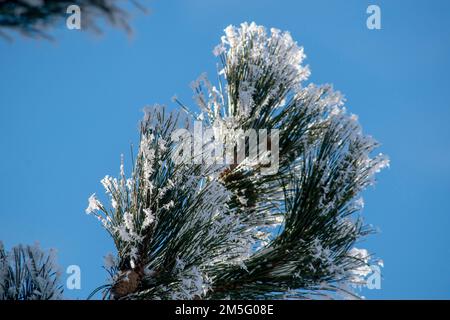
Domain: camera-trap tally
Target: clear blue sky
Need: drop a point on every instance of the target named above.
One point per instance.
(69, 108)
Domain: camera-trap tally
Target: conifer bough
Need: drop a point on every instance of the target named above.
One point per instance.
(33, 17)
(217, 231)
(28, 273)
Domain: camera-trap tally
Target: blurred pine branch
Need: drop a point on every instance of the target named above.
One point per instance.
(33, 18)
(28, 273)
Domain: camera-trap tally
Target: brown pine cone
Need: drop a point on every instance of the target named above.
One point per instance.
(127, 283)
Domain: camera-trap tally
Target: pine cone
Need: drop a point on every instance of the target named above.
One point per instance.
(127, 283)
(236, 181)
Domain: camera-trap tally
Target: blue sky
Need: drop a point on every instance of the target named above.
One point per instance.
(69, 108)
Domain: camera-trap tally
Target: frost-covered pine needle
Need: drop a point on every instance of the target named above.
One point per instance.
(189, 230)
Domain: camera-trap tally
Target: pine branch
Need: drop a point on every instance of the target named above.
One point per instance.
(27, 273)
(32, 18)
(192, 229)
